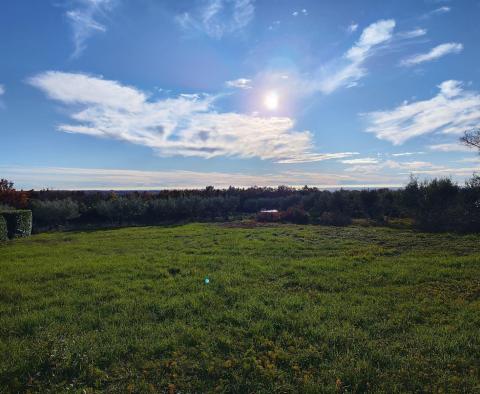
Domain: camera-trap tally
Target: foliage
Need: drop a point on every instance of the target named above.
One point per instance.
(335, 219)
(440, 205)
(121, 210)
(11, 197)
(296, 215)
(291, 309)
(436, 205)
(3, 229)
(6, 185)
(19, 222)
(54, 212)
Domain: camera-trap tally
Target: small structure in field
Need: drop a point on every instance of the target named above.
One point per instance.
(268, 215)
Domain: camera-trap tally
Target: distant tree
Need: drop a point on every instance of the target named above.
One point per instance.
(6, 185)
(472, 138)
(11, 197)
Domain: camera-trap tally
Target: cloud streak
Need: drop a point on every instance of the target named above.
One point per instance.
(347, 71)
(437, 11)
(434, 54)
(84, 21)
(108, 179)
(451, 111)
(186, 125)
(217, 18)
(240, 83)
(352, 27)
(412, 33)
(451, 147)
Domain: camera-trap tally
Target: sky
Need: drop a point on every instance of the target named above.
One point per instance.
(152, 94)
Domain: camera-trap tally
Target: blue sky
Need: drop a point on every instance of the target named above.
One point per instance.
(155, 94)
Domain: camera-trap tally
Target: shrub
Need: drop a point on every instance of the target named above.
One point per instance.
(121, 209)
(335, 219)
(3, 229)
(296, 215)
(19, 223)
(54, 212)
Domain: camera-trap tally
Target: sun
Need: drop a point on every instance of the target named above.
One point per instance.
(271, 101)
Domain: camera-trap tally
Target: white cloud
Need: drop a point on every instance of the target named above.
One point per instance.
(399, 170)
(442, 10)
(108, 179)
(451, 111)
(317, 157)
(465, 172)
(413, 33)
(451, 147)
(436, 11)
(380, 166)
(352, 27)
(475, 159)
(274, 25)
(2, 90)
(84, 21)
(240, 83)
(364, 160)
(217, 18)
(407, 154)
(302, 11)
(433, 54)
(351, 68)
(187, 125)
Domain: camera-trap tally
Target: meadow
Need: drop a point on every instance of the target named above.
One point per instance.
(288, 308)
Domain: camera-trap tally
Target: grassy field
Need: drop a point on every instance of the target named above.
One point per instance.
(288, 309)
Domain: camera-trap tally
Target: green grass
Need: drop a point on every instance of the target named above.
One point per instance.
(288, 309)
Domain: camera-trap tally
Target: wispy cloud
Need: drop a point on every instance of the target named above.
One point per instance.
(352, 27)
(186, 125)
(84, 19)
(216, 18)
(451, 147)
(433, 54)
(381, 166)
(437, 11)
(441, 10)
(109, 179)
(347, 71)
(399, 169)
(240, 83)
(2, 92)
(407, 154)
(475, 159)
(309, 157)
(300, 12)
(413, 33)
(451, 111)
(363, 160)
(274, 25)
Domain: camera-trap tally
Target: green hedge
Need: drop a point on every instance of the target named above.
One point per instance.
(3, 229)
(19, 223)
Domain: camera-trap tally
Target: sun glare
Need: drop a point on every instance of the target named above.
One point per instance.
(271, 101)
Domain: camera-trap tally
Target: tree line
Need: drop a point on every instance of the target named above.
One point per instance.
(434, 205)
